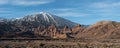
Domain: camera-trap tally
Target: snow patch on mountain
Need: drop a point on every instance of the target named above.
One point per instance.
(47, 18)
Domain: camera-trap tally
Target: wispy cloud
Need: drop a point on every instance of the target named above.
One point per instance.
(4, 10)
(64, 9)
(3, 2)
(31, 2)
(68, 12)
(105, 4)
(72, 14)
(106, 9)
(25, 2)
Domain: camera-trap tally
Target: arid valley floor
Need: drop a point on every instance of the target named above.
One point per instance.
(61, 43)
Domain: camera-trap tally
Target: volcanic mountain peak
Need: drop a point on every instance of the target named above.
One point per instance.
(44, 16)
(47, 19)
(47, 16)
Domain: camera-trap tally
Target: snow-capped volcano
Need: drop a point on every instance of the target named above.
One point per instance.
(36, 25)
(49, 19)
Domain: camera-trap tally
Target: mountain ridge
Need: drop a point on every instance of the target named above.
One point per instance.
(44, 25)
(102, 29)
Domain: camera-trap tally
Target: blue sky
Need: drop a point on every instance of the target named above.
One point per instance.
(79, 11)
